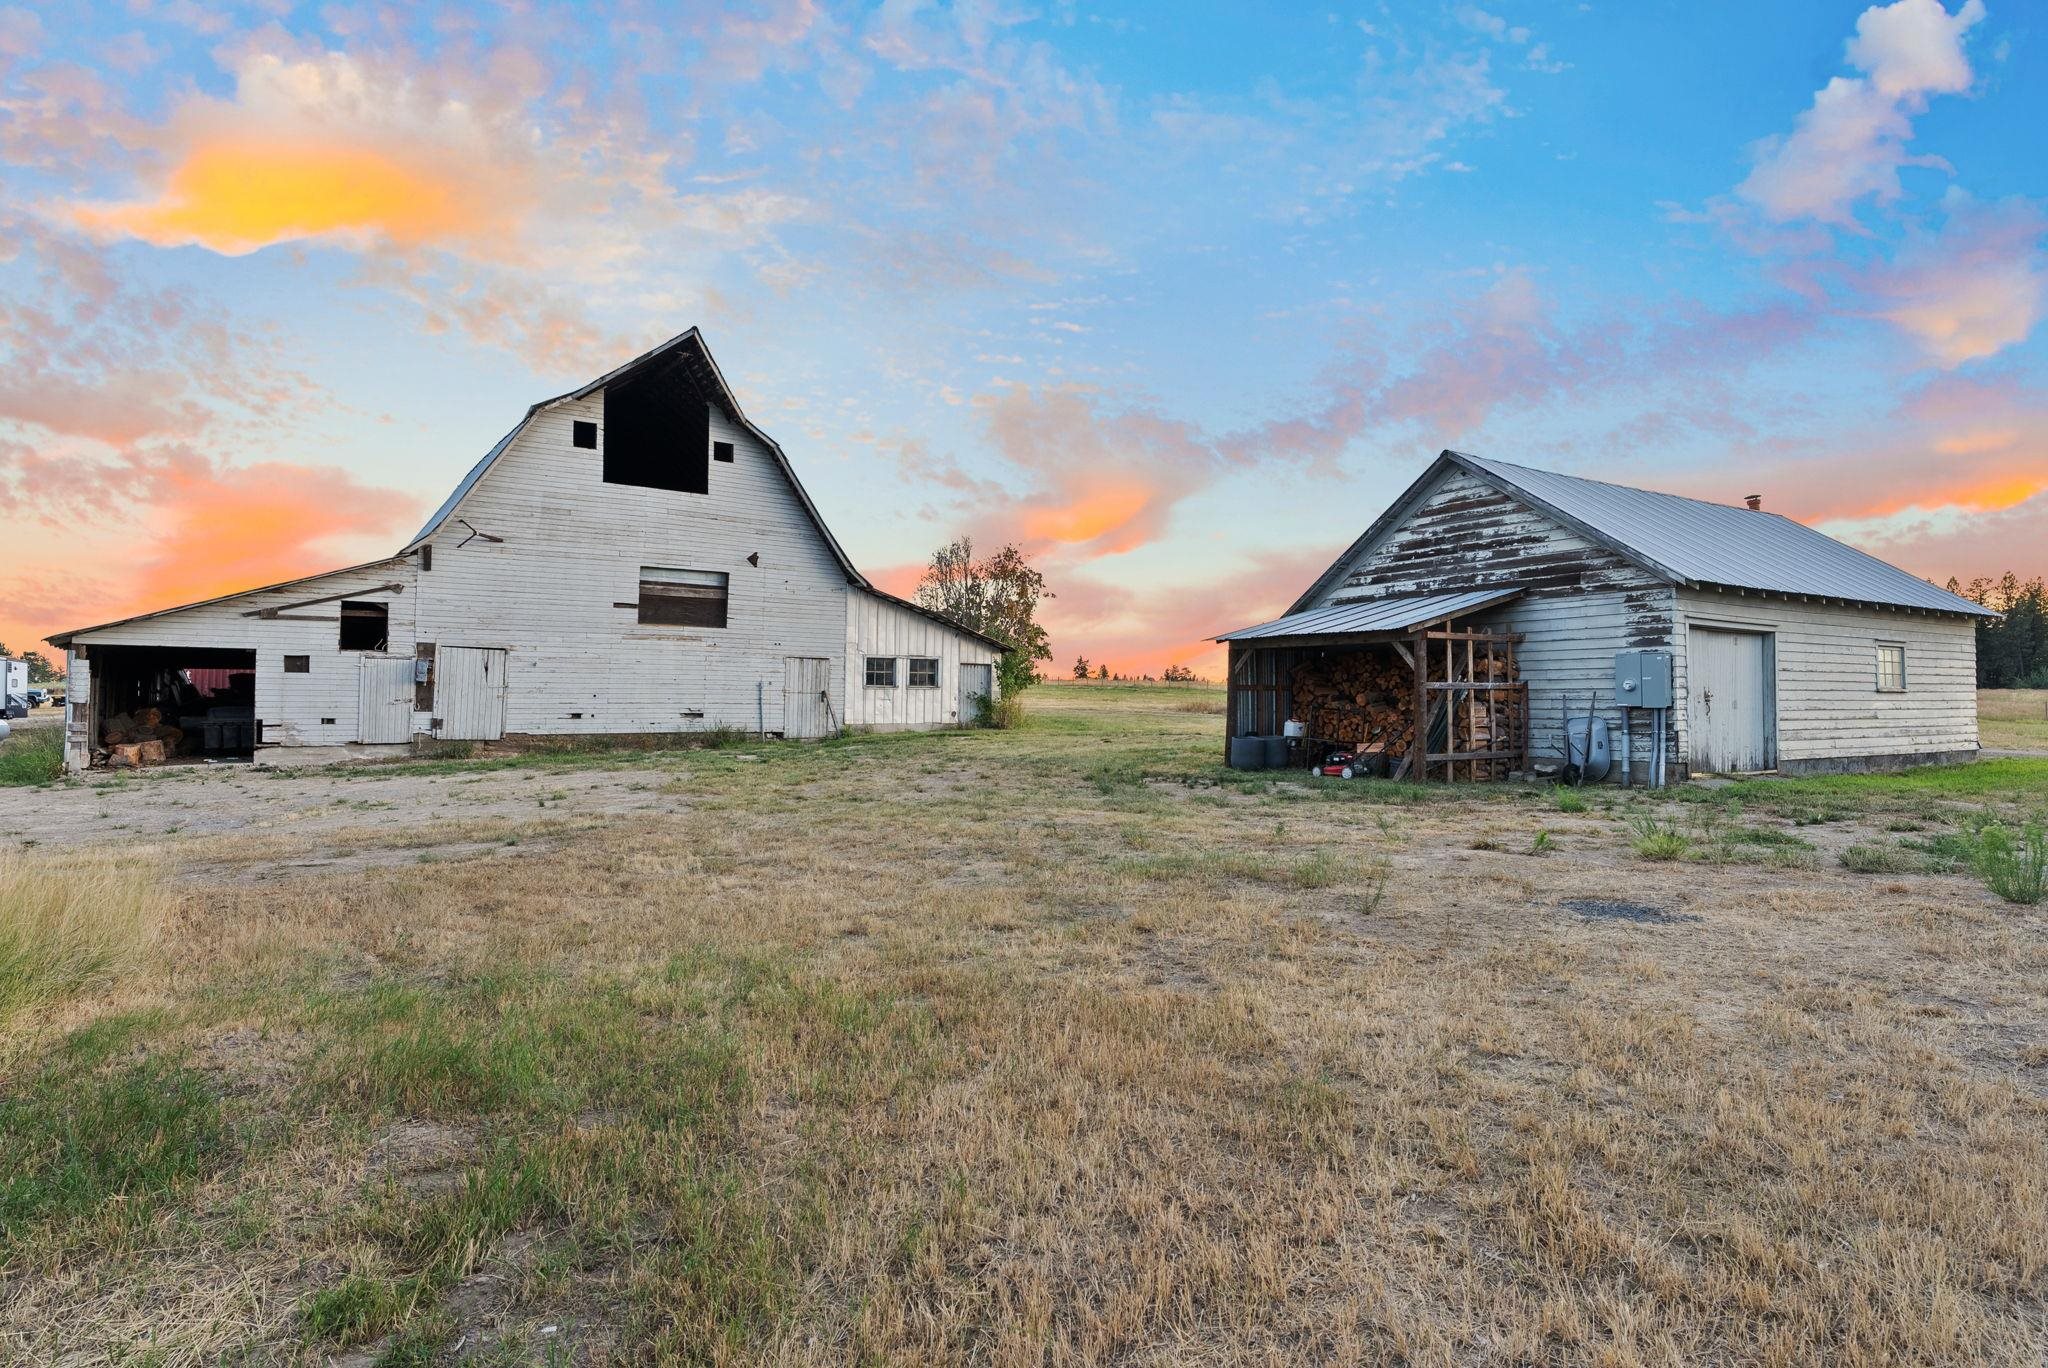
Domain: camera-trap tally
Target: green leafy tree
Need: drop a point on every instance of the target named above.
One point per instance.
(1103, 673)
(1180, 674)
(997, 596)
(40, 670)
(2012, 651)
(1080, 667)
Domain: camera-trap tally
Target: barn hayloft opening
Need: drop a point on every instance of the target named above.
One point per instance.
(657, 433)
(159, 705)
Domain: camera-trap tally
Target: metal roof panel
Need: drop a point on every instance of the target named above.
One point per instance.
(1401, 613)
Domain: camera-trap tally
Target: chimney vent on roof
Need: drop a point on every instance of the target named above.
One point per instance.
(1755, 502)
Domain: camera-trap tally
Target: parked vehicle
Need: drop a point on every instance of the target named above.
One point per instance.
(13, 678)
(38, 697)
(16, 705)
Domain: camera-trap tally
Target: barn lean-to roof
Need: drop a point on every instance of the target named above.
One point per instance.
(687, 352)
(1689, 543)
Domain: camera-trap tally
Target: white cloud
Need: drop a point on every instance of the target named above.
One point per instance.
(1850, 144)
(1972, 290)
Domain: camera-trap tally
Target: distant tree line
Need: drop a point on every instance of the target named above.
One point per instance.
(40, 669)
(2012, 652)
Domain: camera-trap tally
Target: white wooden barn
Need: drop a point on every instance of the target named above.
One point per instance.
(1789, 651)
(634, 557)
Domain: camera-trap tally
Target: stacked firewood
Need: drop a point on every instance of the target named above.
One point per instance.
(133, 740)
(1359, 699)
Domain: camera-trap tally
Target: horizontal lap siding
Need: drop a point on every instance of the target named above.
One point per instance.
(573, 547)
(290, 706)
(1828, 704)
(877, 627)
(1580, 604)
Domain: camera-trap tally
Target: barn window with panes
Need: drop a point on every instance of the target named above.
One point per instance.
(682, 598)
(924, 672)
(881, 672)
(1891, 669)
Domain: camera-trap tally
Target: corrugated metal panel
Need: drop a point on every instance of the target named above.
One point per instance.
(1399, 614)
(469, 693)
(1709, 543)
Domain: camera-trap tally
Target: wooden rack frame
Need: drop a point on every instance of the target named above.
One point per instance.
(1487, 691)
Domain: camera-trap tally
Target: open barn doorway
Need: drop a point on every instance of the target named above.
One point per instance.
(165, 705)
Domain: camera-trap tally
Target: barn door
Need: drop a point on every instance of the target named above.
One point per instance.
(806, 700)
(384, 700)
(1728, 701)
(976, 681)
(469, 693)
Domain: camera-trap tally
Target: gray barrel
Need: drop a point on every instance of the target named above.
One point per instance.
(1247, 752)
(1276, 752)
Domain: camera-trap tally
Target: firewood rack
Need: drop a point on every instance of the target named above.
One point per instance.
(1466, 681)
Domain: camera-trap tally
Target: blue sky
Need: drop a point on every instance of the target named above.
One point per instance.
(1178, 296)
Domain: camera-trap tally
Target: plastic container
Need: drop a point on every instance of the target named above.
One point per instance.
(1248, 752)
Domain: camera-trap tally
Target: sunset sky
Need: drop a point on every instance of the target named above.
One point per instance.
(1176, 295)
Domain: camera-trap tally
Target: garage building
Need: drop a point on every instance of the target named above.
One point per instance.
(1489, 602)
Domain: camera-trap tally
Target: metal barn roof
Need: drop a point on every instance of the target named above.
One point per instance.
(1685, 541)
(1402, 614)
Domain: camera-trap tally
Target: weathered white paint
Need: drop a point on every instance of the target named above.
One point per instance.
(1728, 711)
(553, 585)
(1583, 603)
(877, 626)
(1829, 710)
(977, 689)
(470, 693)
(384, 700)
(288, 706)
(806, 697)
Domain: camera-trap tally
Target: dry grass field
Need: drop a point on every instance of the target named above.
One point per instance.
(2013, 719)
(1060, 1045)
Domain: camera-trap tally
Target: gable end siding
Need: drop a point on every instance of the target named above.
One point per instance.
(1581, 601)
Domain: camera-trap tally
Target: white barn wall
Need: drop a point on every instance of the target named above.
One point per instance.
(289, 706)
(877, 627)
(1828, 706)
(573, 548)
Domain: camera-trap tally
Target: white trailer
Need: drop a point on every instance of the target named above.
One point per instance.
(13, 679)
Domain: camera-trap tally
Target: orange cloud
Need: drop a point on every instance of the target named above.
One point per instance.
(236, 196)
(222, 529)
(1094, 515)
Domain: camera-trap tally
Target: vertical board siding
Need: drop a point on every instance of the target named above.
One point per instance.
(573, 547)
(289, 706)
(877, 627)
(1828, 706)
(1581, 602)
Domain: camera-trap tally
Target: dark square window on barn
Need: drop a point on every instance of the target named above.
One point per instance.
(657, 435)
(880, 672)
(924, 672)
(722, 451)
(584, 434)
(298, 664)
(364, 626)
(682, 598)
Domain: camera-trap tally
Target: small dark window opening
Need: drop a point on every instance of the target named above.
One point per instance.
(364, 626)
(427, 557)
(880, 672)
(326, 721)
(657, 435)
(722, 451)
(298, 664)
(584, 434)
(682, 598)
(924, 672)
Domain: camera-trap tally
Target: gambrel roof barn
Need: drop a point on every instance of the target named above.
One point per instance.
(1787, 650)
(635, 556)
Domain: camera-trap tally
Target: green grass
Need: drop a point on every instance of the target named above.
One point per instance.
(101, 1149)
(32, 756)
(1657, 839)
(1865, 858)
(2014, 864)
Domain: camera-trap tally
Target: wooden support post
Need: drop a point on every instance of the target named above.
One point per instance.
(1418, 750)
(1230, 702)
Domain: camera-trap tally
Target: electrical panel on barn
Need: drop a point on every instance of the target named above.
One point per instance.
(1642, 679)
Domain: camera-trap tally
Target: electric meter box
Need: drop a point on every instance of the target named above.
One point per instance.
(1642, 679)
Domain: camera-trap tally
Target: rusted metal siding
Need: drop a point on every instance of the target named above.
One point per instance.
(1581, 601)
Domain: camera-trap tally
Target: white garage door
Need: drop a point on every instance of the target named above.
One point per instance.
(1728, 701)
